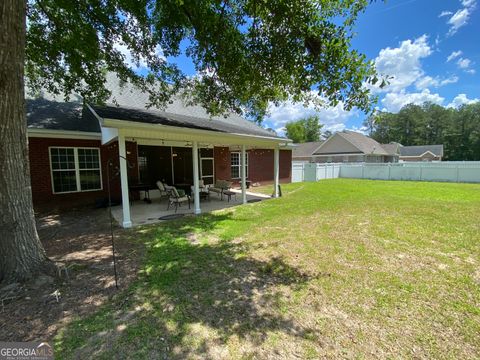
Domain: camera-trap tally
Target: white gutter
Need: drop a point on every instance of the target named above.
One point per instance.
(63, 134)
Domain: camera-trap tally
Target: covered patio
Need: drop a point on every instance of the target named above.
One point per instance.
(142, 213)
(193, 134)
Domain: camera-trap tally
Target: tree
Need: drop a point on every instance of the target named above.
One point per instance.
(247, 53)
(304, 130)
(457, 129)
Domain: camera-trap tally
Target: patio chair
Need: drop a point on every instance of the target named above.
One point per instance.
(162, 189)
(220, 187)
(176, 199)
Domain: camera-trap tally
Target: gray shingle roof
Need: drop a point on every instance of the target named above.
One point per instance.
(129, 103)
(392, 148)
(57, 115)
(364, 143)
(421, 149)
(305, 149)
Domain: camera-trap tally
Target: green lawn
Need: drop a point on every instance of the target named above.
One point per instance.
(339, 268)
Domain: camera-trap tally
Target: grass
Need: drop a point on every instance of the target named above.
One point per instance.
(339, 268)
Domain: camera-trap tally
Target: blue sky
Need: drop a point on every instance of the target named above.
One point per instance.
(430, 47)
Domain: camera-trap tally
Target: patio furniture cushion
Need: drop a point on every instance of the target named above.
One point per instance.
(179, 199)
(220, 186)
(163, 190)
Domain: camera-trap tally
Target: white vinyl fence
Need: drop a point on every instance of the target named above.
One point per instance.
(451, 171)
(304, 171)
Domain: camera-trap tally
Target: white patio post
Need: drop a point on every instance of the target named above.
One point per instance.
(276, 161)
(243, 175)
(196, 191)
(122, 152)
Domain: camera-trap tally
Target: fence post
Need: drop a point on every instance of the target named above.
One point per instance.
(421, 169)
(458, 175)
(389, 170)
(363, 170)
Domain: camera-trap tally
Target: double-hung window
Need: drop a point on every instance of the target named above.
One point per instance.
(236, 167)
(75, 169)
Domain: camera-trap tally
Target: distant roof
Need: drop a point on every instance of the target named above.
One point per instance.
(421, 149)
(364, 143)
(392, 148)
(305, 149)
(129, 103)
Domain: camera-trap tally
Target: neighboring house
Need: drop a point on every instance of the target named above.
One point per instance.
(421, 153)
(71, 146)
(351, 146)
(304, 151)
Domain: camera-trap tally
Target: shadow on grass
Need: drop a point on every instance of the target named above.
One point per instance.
(192, 298)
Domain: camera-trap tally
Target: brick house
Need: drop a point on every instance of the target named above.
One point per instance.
(71, 144)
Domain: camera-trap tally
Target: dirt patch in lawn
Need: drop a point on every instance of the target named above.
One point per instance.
(79, 239)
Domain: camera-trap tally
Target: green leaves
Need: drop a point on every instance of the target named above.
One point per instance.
(304, 130)
(247, 53)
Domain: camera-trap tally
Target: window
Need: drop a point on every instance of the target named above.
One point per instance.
(143, 168)
(75, 169)
(236, 165)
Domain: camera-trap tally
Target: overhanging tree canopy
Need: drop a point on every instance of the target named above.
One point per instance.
(247, 54)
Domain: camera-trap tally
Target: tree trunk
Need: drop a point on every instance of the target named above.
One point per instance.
(21, 253)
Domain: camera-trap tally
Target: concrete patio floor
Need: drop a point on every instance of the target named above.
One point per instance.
(142, 213)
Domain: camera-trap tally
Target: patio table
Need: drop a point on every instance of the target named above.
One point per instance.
(142, 187)
(229, 195)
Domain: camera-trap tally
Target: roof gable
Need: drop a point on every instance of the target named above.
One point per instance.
(337, 144)
(347, 142)
(126, 98)
(365, 144)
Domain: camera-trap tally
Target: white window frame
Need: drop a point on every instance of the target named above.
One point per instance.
(239, 164)
(213, 168)
(77, 168)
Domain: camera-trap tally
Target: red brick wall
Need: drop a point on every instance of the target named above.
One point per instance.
(43, 196)
(221, 160)
(260, 165)
(260, 170)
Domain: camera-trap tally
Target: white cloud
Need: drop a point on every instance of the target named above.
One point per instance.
(469, 3)
(454, 55)
(461, 99)
(464, 63)
(445, 13)
(428, 81)
(130, 61)
(333, 117)
(402, 63)
(461, 17)
(393, 102)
